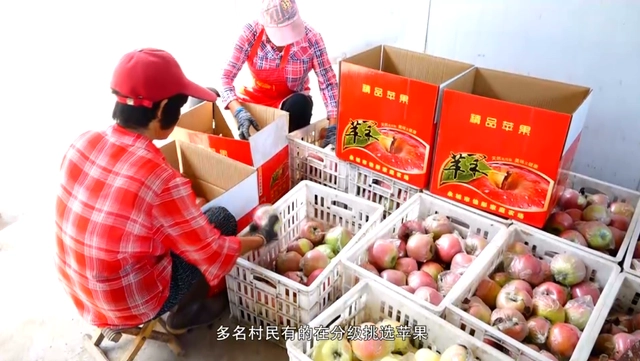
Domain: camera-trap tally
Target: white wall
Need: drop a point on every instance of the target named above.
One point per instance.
(56, 60)
(587, 42)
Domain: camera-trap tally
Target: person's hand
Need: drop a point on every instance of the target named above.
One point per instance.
(330, 136)
(245, 122)
(269, 231)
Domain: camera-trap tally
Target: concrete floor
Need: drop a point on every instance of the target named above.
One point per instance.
(38, 322)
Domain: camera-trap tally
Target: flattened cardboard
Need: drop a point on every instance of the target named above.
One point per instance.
(398, 91)
(524, 124)
(267, 150)
(218, 179)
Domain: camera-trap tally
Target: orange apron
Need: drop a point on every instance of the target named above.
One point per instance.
(269, 86)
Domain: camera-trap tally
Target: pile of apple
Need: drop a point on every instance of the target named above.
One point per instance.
(591, 221)
(311, 251)
(383, 342)
(618, 335)
(425, 258)
(544, 304)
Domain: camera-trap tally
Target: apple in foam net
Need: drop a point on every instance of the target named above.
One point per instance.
(333, 350)
(558, 292)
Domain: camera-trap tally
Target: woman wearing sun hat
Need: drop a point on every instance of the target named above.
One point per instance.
(280, 50)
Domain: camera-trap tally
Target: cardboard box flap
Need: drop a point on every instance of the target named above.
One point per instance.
(206, 190)
(202, 164)
(199, 118)
(170, 151)
(524, 90)
(272, 137)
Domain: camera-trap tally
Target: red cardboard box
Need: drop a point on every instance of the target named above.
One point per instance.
(502, 140)
(386, 117)
(266, 150)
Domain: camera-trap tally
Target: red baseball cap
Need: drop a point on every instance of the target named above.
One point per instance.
(145, 76)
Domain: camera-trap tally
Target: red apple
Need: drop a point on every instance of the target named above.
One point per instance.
(520, 284)
(528, 268)
(619, 222)
(575, 214)
(369, 267)
(618, 237)
(429, 294)
(574, 236)
(510, 322)
(597, 234)
(408, 289)
(538, 329)
(288, 262)
(421, 247)
(598, 213)
(312, 230)
(383, 254)
(438, 224)
(622, 209)
(578, 312)
(417, 279)
(558, 222)
(515, 248)
(563, 339)
(636, 251)
(478, 309)
(586, 288)
(447, 246)
(572, 199)
(516, 299)
(446, 281)
(402, 249)
(432, 268)
(605, 345)
(295, 276)
(313, 276)
(548, 355)
(406, 265)
(394, 276)
(461, 262)
(474, 244)
(300, 246)
(598, 199)
(559, 293)
(370, 348)
(488, 291)
(312, 261)
(409, 228)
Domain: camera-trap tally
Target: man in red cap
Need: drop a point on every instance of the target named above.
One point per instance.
(131, 243)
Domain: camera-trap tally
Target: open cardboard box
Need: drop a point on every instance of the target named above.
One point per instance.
(266, 150)
(218, 179)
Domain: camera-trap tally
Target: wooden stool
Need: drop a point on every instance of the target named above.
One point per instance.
(141, 333)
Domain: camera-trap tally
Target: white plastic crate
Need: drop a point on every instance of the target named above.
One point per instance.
(630, 265)
(601, 271)
(310, 162)
(421, 206)
(371, 302)
(261, 297)
(506, 222)
(615, 193)
(386, 191)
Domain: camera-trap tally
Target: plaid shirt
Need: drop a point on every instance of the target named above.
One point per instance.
(120, 209)
(306, 54)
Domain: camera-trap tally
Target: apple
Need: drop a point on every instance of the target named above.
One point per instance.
(408, 289)
(409, 228)
(568, 269)
(598, 199)
(596, 212)
(406, 265)
(526, 267)
(605, 345)
(574, 236)
(474, 244)
(432, 268)
(394, 276)
(563, 339)
(578, 311)
(586, 288)
(295, 276)
(417, 279)
(428, 294)
(456, 353)
(402, 344)
(488, 291)
(636, 251)
(548, 355)
(532, 346)
(619, 222)
(447, 280)
(516, 299)
(559, 293)
(402, 249)
(447, 246)
(538, 329)
(572, 199)
(425, 354)
(622, 209)
(461, 262)
(514, 249)
(369, 267)
(618, 237)
(575, 214)
(371, 349)
(549, 308)
(313, 276)
(313, 260)
(558, 222)
(312, 230)
(438, 224)
(337, 238)
(597, 234)
(623, 342)
(500, 278)
(478, 309)
(421, 247)
(510, 322)
(332, 350)
(288, 262)
(300, 246)
(519, 284)
(383, 254)
(327, 250)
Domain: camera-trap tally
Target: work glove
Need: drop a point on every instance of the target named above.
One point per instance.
(330, 136)
(269, 231)
(245, 121)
